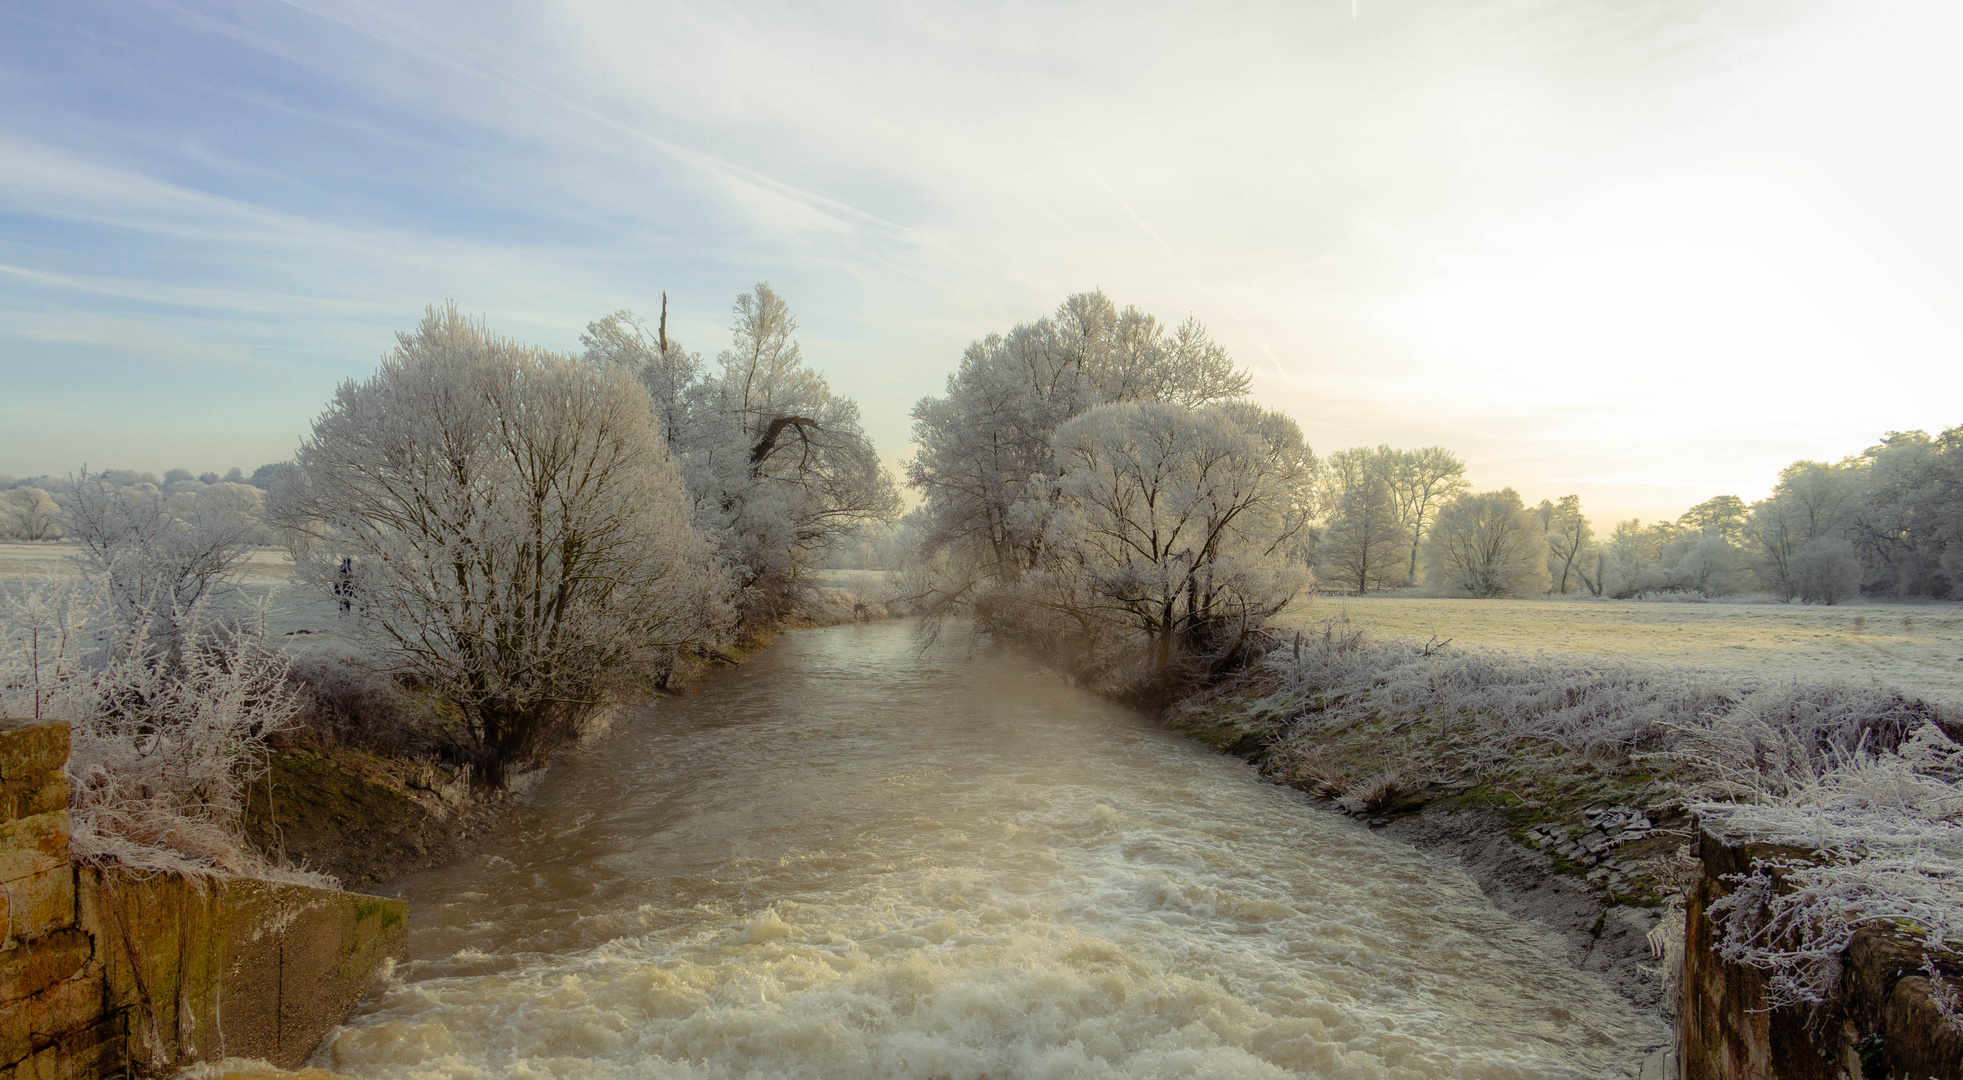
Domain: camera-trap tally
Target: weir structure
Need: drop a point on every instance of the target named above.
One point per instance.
(108, 972)
(1882, 1021)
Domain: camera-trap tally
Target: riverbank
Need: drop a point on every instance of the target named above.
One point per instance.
(366, 816)
(1575, 793)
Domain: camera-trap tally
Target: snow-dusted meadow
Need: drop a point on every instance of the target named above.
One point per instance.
(1914, 646)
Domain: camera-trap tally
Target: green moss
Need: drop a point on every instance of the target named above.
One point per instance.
(376, 914)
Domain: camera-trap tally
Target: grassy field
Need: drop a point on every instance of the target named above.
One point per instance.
(295, 612)
(267, 566)
(1914, 646)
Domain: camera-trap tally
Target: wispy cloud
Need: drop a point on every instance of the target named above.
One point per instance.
(1616, 241)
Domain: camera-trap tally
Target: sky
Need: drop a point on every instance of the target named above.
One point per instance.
(1644, 251)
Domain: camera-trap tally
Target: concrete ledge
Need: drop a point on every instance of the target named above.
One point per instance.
(106, 972)
(236, 967)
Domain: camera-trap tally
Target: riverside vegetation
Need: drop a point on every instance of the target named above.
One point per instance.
(1145, 530)
(510, 545)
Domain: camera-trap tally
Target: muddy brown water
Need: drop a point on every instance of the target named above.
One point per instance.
(852, 857)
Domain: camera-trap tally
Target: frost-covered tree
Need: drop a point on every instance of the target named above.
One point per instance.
(1364, 542)
(1568, 537)
(509, 527)
(778, 467)
(986, 467)
(1421, 481)
(1174, 523)
(1487, 544)
(1812, 501)
(1909, 527)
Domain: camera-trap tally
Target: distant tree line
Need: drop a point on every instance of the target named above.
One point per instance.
(33, 509)
(1887, 522)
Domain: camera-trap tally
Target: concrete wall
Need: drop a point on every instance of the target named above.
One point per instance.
(1882, 1024)
(104, 971)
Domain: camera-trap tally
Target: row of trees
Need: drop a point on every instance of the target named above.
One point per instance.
(521, 536)
(1887, 522)
(33, 509)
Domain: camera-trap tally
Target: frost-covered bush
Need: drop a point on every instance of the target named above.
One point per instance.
(151, 556)
(164, 735)
(1487, 544)
(28, 513)
(1824, 570)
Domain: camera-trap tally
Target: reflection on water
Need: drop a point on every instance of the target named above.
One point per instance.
(852, 858)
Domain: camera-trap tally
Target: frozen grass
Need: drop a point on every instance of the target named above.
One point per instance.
(1913, 646)
(33, 562)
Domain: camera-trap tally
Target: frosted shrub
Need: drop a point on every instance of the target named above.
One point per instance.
(164, 737)
(152, 555)
(1825, 571)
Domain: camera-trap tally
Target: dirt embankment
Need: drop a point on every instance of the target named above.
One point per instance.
(365, 818)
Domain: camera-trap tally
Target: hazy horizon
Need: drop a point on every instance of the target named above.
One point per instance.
(1648, 253)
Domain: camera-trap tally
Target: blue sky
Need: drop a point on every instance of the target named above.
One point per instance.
(1644, 251)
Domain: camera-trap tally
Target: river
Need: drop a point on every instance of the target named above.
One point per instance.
(851, 857)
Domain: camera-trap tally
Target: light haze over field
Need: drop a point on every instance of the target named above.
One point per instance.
(1646, 252)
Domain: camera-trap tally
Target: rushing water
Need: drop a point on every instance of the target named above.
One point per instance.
(851, 857)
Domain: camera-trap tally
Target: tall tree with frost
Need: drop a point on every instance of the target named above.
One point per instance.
(1568, 536)
(1362, 546)
(1812, 509)
(519, 535)
(1177, 521)
(1421, 481)
(1488, 544)
(779, 469)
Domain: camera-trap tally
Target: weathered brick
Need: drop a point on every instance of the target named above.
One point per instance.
(96, 1050)
(31, 750)
(67, 1007)
(41, 903)
(32, 845)
(43, 1065)
(34, 966)
(33, 795)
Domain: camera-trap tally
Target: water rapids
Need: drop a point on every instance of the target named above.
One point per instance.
(854, 858)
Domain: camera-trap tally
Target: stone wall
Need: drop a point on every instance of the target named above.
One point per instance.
(104, 971)
(1882, 1024)
(54, 1015)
